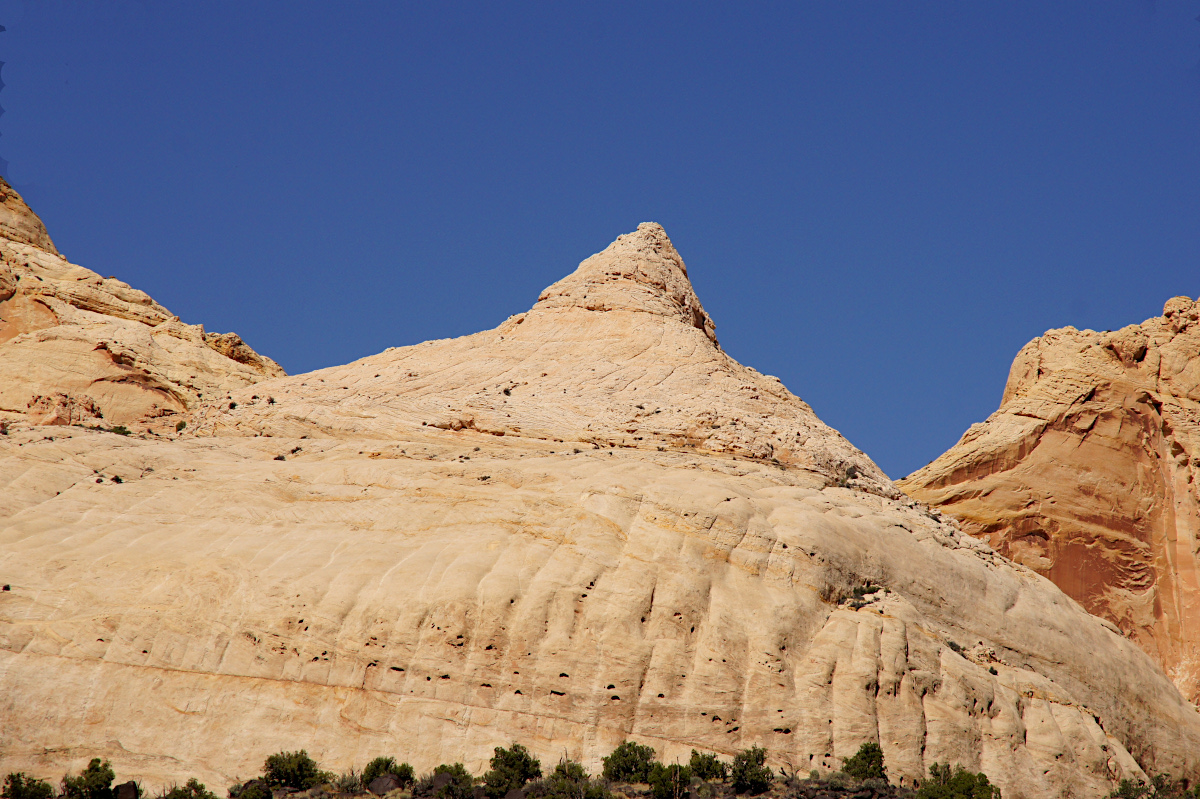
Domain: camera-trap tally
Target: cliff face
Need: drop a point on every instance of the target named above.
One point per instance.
(584, 525)
(76, 348)
(1087, 474)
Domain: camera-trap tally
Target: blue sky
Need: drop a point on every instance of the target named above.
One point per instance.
(879, 202)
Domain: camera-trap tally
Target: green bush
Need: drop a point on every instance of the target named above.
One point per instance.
(1131, 790)
(569, 780)
(511, 768)
(749, 773)
(21, 786)
(1161, 786)
(629, 762)
(867, 763)
(456, 784)
(94, 782)
(705, 766)
(387, 765)
(292, 770)
(957, 784)
(192, 790)
(669, 782)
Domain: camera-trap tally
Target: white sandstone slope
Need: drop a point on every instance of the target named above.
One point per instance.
(618, 354)
(76, 348)
(585, 525)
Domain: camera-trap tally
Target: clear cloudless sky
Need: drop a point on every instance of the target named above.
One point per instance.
(879, 202)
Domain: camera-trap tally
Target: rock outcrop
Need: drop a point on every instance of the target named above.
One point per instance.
(72, 338)
(585, 525)
(1088, 472)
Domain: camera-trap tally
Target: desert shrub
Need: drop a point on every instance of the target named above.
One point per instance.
(192, 790)
(1167, 788)
(446, 782)
(1161, 786)
(705, 766)
(120, 430)
(569, 780)
(94, 782)
(179, 426)
(348, 782)
(669, 782)
(867, 763)
(1129, 789)
(510, 768)
(21, 786)
(749, 773)
(292, 770)
(387, 765)
(944, 783)
(629, 762)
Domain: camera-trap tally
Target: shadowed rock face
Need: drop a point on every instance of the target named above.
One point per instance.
(585, 525)
(1087, 474)
(76, 348)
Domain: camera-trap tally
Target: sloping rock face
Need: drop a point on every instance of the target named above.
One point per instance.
(76, 348)
(585, 525)
(1088, 474)
(618, 354)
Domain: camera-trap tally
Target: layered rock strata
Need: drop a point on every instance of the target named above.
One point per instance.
(1087, 474)
(586, 525)
(76, 348)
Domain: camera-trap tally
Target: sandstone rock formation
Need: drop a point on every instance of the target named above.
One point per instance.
(77, 348)
(1088, 474)
(587, 524)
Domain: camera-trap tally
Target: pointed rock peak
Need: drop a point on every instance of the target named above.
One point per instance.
(19, 223)
(641, 272)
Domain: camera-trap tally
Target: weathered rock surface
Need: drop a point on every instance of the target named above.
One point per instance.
(1088, 474)
(585, 525)
(19, 223)
(78, 347)
(618, 354)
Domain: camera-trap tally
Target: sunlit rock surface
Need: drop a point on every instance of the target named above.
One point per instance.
(1087, 474)
(78, 348)
(585, 525)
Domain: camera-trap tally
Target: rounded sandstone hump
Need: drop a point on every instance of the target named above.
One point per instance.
(18, 222)
(76, 347)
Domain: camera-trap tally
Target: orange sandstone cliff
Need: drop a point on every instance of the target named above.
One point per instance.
(1087, 474)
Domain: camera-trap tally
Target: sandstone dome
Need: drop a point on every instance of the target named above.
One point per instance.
(586, 525)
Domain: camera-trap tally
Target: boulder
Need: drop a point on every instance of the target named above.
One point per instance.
(384, 783)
